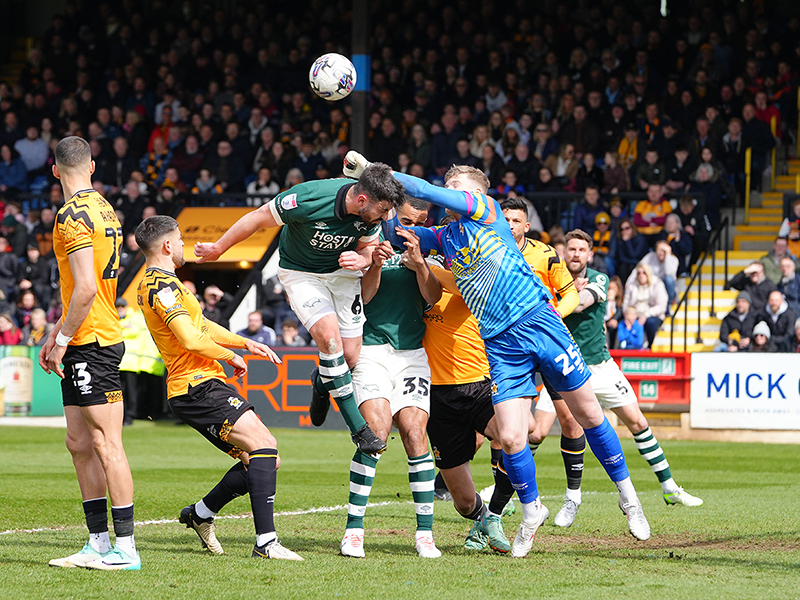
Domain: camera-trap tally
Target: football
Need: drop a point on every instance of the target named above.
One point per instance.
(332, 76)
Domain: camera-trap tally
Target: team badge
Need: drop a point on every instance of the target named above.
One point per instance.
(167, 297)
(289, 202)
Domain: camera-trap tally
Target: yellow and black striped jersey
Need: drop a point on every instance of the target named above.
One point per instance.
(87, 221)
(552, 271)
(162, 297)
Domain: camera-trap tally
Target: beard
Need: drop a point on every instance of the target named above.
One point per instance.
(178, 261)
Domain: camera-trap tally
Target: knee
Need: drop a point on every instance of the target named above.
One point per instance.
(79, 447)
(536, 436)
(464, 505)
(512, 441)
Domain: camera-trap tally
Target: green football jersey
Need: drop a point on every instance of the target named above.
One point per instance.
(317, 228)
(395, 314)
(588, 327)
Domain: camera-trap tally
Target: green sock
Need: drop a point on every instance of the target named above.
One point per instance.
(362, 473)
(420, 476)
(648, 447)
(335, 376)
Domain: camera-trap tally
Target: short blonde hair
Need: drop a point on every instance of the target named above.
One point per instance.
(476, 175)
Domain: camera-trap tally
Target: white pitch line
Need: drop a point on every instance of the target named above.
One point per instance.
(285, 513)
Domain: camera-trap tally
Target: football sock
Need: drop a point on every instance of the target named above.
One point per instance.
(335, 376)
(572, 450)
(420, 477)
(522, 472)
(362, 474)
(123, 528)
(502, 485)
(626, 491)
(232, 485)
(605, 446)
(533, 447)
(648, 447)
(261, 484)
(96, 513)
(531, 511)
(476, 512)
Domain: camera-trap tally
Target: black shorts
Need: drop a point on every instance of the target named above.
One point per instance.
(91, 374)
(457, 412)
(554, 395)
(212, 408)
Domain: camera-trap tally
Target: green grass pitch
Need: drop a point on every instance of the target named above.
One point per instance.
(744, 542)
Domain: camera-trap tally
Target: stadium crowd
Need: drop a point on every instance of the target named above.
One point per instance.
(191, 105)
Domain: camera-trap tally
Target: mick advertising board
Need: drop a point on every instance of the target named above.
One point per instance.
(745, 391)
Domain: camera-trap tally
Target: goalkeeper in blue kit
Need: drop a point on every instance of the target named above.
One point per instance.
(522, 334)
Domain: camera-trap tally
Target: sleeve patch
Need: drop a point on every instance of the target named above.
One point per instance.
(167, 298)
(596, 290)
(289, 202)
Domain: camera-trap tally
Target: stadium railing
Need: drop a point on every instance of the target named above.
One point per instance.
(714, 244)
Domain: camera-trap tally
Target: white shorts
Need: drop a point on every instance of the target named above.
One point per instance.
(610, 385)
(403, 377)
(312, 296)
(545, 402)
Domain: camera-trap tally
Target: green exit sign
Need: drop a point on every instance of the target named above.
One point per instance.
(648, 366)
(648, 390)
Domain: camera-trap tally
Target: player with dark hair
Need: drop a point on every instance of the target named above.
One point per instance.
(88, 341)
(392, 378)
(522, 333)
(332, 228)
(191, 345)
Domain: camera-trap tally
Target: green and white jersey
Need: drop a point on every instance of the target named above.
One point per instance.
(394, 315)
(588, 327)
(317, 228)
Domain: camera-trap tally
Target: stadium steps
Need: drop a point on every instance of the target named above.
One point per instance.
(709, 323)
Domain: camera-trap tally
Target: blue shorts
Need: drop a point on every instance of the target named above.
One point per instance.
(539, 341)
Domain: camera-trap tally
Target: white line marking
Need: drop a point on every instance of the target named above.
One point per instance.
(285, 513)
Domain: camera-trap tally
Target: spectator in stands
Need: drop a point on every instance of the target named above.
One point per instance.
(651, 171)
(589, 173)
(679, 169)
(627, 249)
(264, 184)
(543, 144)
(505, 147)
(419, 147)
(492, 166)
(33, 151)
(464, 156)
(736, 329)
(663, 265)
(615, 178)
(601, 244)
(308, 160)
(647, 294)
(761, 339)
(753, 281)
(704, 138)
(588, 209)
(794, 345)
(790, 229)
(9, 267)
(789, 285)
(630, 147)
(43, 232)
(563, 166)
(13, 174)
(257, 331)
(136, 133)
(679, 240)
(761, 140)
(524, 164)
(293, 177)
(14, 230)
(131, 202)
(651, 213)
(443, 144)
(216, 302)
(154, 164)
(630, 332)
(290, 336)
(772, 260)
(26, 303)
(703, 181)
(188, 160)
(780, 319)
(581, 133)
(10, 334)
(509, 186)
(734, 146)
(34, 274)
(36, 332)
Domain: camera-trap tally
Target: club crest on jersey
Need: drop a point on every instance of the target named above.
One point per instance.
(320, 225)
(494, 389)
(289, 202)
(167, 297)
(361, 226)
(234, 401)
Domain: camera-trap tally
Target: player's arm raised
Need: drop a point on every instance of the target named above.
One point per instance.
(588, 293)
(228, 339)
(81, 264)
(261, 218)
(359, 259)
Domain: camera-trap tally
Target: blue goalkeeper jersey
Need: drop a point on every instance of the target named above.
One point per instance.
(496, 283)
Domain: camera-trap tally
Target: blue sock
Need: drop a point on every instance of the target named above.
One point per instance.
(522, 472)
(605, 446)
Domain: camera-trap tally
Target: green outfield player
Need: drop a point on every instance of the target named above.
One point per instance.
(614, 392)
(392, 379)
(331, 228)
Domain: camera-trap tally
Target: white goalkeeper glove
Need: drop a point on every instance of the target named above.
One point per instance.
(354, 164)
